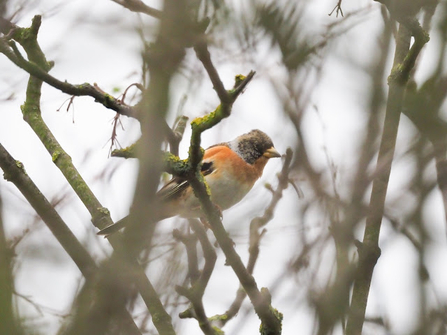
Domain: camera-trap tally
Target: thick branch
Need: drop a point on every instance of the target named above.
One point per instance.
(9, 323)
(32, 115)
(15, 172)
(98, 319)
(163, 59)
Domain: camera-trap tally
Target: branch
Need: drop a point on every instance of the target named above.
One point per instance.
(337, 9)
(283, 182)
(256, 236)
(98, 318)
(174, 136)
(39, 69)
(163, 59)
(138, 6)
(201, 49)
(369, 250)
(196, 291)
(9, 324)
(32, 115)
(422, 107)
(270, 318)
(199, 125)
(15, 172)
(190, 243)
(210, 258)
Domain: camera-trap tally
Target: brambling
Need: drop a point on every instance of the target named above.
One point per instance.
(230, 170)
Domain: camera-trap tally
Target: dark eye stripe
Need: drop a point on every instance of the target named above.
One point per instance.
(207, 168)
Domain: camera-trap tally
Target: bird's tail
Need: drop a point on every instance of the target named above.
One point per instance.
(113, 228)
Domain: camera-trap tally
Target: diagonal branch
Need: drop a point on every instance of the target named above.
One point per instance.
(203, 54)
(41, 71)
(256, 236)
(15, 172)
(139, 6)
(270, 318)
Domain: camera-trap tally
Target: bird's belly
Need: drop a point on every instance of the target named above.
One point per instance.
(225, 192)
(228, 193)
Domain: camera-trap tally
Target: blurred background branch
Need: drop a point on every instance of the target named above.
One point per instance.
(319, 89)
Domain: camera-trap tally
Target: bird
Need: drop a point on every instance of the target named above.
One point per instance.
(230, 170)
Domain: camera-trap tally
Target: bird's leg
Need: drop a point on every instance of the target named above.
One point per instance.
(205, 222)
(219, 210)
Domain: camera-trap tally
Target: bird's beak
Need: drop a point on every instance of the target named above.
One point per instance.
(270, 153)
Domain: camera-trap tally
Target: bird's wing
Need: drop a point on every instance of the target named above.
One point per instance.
(173, 190)
(113, 228)
(177, 185)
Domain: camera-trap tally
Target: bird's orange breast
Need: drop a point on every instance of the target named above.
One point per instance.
(226, 159)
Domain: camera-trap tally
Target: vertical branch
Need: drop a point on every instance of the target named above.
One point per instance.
(163, 59)
(8, 322)
(333, 303)
(270, 318)
(99, 311)
(256, 235)
(369, 250)
(32, 115)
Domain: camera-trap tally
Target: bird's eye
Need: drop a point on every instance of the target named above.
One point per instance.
(207, 167)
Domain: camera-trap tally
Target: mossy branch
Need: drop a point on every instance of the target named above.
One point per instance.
(27, 37)
(174, 136)
(10, 323)
(38, 67)
(100, 215)
(401, 71)
(199, 125)
(270, 322)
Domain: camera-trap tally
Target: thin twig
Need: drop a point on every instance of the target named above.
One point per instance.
(197, 290)
(203, 54)
(337, 9)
